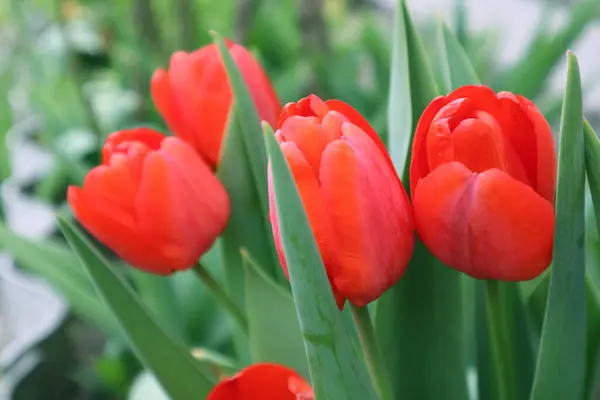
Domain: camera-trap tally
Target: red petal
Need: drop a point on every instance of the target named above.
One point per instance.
(487, 225)
(419, 164)
(257, 382)
(115, 141)
(181, 206)
(309, 137)
(164, 101)
(371, 216)
(546, 151)
(113, 229)
(357, 119)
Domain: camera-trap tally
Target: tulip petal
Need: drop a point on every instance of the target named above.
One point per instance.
(519, 132)
(482, 96)
(312, 199)
(205, 198)
(487, 225)
(419, 164)
(478, 145)
(258, 382)
(176, 213)
(262, 92)
(112, 229)
(546, 150)
(309, 137)
(202, 96)
(370, 213)
(114, 143)
(163, 98)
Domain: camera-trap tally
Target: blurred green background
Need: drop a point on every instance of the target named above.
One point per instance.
(73, 71)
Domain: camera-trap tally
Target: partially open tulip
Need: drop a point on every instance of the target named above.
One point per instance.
(482, 176)
(358, 210)
(194, 96)
(263, 382)
(153, 201)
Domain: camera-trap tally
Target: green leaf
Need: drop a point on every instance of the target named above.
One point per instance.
(421, 326)
(592, 166)
(56, 263)
(561, 361)
(592, 161)
(158, 295)
(247, 227)
(179, 373)
(400, 115)
(411, 69)
(441, 65)
(274, 330)
(460, 17)
(420, 321)
(336, 369)
(251, 134)
(461, 69)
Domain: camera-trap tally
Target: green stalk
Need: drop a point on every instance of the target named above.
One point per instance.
(372, 352)
(222, 297)
(500, 342)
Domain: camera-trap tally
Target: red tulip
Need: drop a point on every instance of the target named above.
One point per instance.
(263, 382)
(194, 96)
(482, 176)
(153, 201)
(358, 210)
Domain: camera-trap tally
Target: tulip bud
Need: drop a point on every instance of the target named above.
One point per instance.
(264, 382)
(194, 96)
(153, 201)
(358, 210)
(482, 176)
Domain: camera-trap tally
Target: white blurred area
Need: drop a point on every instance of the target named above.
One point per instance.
(516, 20)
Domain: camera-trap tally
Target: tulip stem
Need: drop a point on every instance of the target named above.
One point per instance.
(222, 296)
(499, 341)
(372, 352)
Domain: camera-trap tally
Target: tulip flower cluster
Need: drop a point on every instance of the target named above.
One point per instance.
(482, 183)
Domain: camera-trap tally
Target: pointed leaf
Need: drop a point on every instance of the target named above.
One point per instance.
(247, 228)
(274, 330)
(561, 361)
(158, 295)
(400, 114)
(441, 66)
(462, 71)
(250, 131)
(592, 163)
(336, 369)
(179, 373)
(421, 321)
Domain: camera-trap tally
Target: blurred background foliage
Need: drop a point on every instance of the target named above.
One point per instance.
(72, 71)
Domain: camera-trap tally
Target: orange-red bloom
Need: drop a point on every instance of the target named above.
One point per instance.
(482, 176)
(358, 210)
(194, 96)
(153, 201)
(263, 382)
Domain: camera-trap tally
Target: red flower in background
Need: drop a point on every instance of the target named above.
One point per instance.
(194, 96)
(482, 176)
(358, 210)
(153, 201)
(263, 382)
